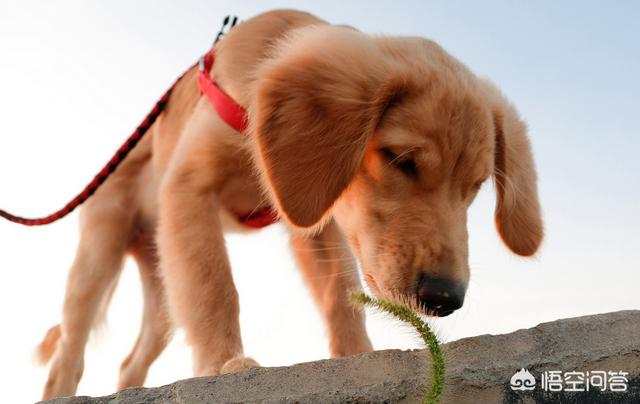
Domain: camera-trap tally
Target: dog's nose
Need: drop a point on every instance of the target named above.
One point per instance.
(439, 296)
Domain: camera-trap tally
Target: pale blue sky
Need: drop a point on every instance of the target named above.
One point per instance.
(76, 77)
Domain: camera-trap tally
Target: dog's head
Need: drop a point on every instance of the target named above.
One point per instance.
(392, 138)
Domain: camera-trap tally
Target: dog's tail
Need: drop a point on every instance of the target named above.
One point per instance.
(47, 346)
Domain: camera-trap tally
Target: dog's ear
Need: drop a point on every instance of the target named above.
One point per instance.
(316, 103)
(518, 216)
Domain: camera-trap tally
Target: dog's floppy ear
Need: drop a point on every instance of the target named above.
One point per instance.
(518, 216)
(315, 105)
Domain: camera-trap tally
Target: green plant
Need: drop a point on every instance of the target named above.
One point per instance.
(406, 315)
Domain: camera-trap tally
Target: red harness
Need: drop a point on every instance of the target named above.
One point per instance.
(236, 117)
(232, 113)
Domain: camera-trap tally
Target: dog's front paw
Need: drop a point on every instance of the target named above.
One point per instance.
(237, 364)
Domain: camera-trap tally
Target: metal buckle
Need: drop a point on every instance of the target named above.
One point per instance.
(202, 65)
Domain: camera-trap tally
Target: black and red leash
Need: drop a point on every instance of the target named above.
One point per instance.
(106, 171)
(117, 158)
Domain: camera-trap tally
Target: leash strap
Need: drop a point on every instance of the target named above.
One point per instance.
(106, 171)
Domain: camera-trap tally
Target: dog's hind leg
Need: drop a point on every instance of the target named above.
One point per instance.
(330, 272)
(156, 328)
(106, 223)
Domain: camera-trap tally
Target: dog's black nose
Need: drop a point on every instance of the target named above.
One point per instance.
(439, 296)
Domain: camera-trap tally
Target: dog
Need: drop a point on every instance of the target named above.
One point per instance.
(377, 144)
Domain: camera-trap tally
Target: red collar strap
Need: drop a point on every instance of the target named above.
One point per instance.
(236, 117)
(230, 112)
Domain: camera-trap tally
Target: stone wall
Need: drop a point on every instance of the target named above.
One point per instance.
(479, 370)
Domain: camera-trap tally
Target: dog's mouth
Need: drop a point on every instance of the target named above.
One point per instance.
(437, 311)
(410, 300)
(413, 302)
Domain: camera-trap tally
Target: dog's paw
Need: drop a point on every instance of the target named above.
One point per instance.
(237, 364)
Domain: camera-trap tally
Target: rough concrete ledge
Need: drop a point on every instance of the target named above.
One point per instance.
(479, 370)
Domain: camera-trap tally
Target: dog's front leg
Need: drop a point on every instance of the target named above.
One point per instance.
(329, 270)
(202, 297)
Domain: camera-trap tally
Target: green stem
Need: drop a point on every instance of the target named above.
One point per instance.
(406, 315)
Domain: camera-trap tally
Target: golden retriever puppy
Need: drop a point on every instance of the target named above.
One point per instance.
(378, 144)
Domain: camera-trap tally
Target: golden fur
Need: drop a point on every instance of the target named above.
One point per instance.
(376, 143)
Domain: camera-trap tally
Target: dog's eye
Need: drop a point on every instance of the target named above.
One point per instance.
(403, 163)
